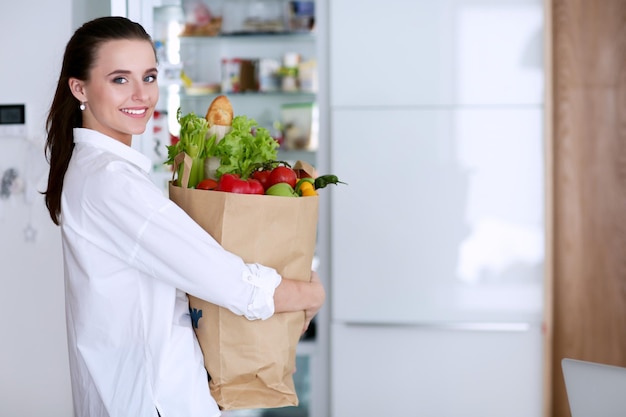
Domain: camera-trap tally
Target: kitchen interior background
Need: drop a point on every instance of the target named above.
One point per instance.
(458, 111)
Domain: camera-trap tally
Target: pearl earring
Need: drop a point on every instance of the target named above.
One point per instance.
(82, 106)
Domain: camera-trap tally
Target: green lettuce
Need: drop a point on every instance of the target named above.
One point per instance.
(245, 147)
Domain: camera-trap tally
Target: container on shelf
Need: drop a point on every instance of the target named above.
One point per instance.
(253, 16)
(300, 124)
(249, 75)
(289, 71)
(268, 75)
(202, 17)
(300, 16)
(307, 76)
(231, 68)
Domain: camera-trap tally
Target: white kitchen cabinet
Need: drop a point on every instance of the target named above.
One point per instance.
(435, 53)
(435, 372)
(442, 217)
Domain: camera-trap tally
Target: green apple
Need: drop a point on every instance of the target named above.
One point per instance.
(281, 189)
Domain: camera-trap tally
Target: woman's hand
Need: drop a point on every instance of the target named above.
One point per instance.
(293, 295)
(319, 295)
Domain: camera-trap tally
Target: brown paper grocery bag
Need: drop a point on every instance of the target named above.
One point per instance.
(251, 363)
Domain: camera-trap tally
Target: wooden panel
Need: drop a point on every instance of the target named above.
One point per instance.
(589, 163)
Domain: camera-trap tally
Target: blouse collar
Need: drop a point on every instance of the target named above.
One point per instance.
(107, 143)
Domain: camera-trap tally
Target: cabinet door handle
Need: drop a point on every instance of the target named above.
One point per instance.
(460, 326)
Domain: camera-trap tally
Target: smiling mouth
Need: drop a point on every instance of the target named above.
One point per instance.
(134, 112)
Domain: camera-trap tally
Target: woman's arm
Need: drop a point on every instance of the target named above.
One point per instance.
(292, 295)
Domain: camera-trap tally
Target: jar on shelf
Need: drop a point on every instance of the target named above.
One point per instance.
(289, 72)
(301, 16)
(231, 68)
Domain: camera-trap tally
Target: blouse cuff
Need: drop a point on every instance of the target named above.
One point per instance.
(264, 280)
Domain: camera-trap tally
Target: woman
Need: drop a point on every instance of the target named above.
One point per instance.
(130, 254)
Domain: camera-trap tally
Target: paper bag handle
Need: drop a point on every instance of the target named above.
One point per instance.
(186, 161)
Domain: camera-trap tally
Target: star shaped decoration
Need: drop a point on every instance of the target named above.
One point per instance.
(30, 233)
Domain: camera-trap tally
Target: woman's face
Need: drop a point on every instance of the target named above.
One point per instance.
(122, 89)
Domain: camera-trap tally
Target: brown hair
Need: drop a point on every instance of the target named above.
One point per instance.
(64, 114)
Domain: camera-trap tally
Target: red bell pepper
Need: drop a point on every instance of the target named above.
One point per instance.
(231, 183)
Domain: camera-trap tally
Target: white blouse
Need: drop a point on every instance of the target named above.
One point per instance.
(130, 257)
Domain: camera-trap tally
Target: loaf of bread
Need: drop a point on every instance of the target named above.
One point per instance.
(220, 112)
(220, 118)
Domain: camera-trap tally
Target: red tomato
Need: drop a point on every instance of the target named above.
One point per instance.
(207, 184)
(255, 186)
(283, 174)
(263, 177)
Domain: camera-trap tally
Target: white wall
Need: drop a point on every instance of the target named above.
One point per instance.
(34, 377)
(84, 10)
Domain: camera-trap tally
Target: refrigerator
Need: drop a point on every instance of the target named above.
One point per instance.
(437, 241)
(201, 58)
